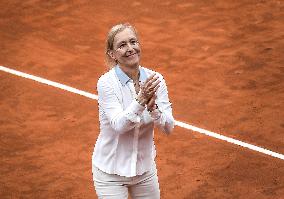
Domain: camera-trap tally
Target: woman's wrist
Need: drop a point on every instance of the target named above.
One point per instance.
(155, 112)
(154, 107)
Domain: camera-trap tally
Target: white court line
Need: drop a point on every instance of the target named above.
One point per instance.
(177, 123)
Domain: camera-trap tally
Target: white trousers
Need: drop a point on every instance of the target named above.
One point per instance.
(111, 186)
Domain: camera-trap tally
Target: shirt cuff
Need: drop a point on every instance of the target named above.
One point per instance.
(155, 114)
(135, 111)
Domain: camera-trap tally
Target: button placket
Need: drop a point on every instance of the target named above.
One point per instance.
(136, 133)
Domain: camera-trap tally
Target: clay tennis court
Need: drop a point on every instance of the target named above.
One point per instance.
(224, 66)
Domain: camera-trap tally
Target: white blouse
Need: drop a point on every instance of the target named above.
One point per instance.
(125, 145)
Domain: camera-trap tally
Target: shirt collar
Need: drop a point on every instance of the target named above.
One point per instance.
(123, 77)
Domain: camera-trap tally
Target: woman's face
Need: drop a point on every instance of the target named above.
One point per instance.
(126, 49)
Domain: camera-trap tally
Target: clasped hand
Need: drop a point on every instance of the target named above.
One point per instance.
(147, 93)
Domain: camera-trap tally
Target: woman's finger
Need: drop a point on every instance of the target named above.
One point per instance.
(154, 84)
(152, 79)
(152, 92)
(149, 78)
(151, 103)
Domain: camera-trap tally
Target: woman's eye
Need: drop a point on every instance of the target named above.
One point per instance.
(134, 42)
(122, 45)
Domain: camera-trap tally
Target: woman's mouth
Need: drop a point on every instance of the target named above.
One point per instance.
(131, 55)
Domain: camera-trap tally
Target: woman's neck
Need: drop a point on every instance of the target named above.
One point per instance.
(132, 72)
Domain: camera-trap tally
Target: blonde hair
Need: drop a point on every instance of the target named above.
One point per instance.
(110, 38)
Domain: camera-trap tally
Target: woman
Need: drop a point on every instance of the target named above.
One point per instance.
(132, 100)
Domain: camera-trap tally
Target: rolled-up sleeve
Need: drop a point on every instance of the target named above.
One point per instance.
(163, 117)
(120, 120)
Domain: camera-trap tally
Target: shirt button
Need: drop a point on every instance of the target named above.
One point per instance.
(138, 119)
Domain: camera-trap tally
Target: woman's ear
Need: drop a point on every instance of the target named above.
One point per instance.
(110, 53)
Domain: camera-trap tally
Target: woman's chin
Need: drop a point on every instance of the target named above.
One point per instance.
(132, 63)
(135, 65)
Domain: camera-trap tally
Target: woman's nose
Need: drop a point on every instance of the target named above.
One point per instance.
(129, 47)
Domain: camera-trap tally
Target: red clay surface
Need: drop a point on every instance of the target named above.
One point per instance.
(223, 62)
